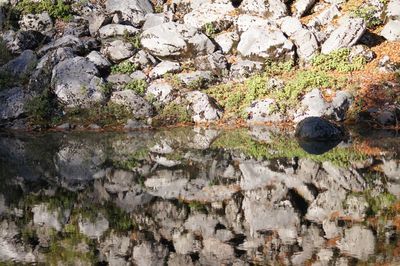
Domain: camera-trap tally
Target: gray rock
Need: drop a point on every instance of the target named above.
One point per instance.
(153, 20)
(391, 31)
(216, 253)
(143, 59)
(44, 216)
(140, 107)
(245, 68)
(325, 17)
(326, 204)
(393, 10)
(119, 79)
(180, 260)
(161, 90)
(12, 103)
(128, 11)
(391, 168)
(198, 78)
(76, 82)
(358, 242)
(312, 104)
(19, 41)
(246, 22)
(316, 128)
(361, 51)
(290, 25)
(216, 62)
(346, 35)
(112, 30)
(116, 248)
(96, 20)
(93, 229)
(66, 41)
(22, 66)
(204, 108)
(265, 43)
(149, 254)
(303, 6)
(306, 44)
(37, 22)
(201, 224)
(215, 13)
(226, 41)
(138, 75)
(118, 50)
(186, 244)
(176, 40)
(163, 68)
(386, 65)
(271, 9)
(98, 60)
(262, 111)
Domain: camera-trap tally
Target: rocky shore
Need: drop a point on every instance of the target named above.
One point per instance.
(139, 63)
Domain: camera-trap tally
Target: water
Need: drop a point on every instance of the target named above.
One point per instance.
(193, 196)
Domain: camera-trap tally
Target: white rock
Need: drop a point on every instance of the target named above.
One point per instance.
(391, 31)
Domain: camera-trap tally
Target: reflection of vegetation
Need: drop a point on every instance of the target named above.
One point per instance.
(64, 200)
(196, 206)
(283, 147)
(133, 160)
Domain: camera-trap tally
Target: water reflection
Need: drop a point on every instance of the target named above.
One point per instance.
(195, 196)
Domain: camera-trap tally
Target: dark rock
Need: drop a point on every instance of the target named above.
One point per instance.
(319, 129)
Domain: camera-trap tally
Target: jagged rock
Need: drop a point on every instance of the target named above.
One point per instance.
(77, 26)
(118, 50)
(93, 229)
(116, 248)
(196, 79)
(391, 168)
(246, 22)
(20, 67)
(176, 40)
(161, 90)
(36, 22)
(355, 207)
(226, 41)
(112, 30)
(76, 82)
(186, 244)
(180, 260)
(393, 10)
(44, 216)
(143, 59)
(163, 68)
(391, 31)
(209, 13)
(359, 242)
(331, 229)
(12, 103)
(149, 254)
(153, 20)
(265, 43)
(346, 35)
(303, 6)
(98, 60)
(127, 11)
(140, 107)
(215, 62)
(17, 42)
(66, 41)
(263, 111)
(96, 19)
(216, 253)
(271, 9)
(316, 128)
(204, 108)
(245, 68)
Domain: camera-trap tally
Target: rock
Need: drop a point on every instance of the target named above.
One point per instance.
(196, 79)
(217, 14)
(391, 168)
(393, 10)
(262, 111)
(386, 65)
(176, 40)
(331, 229)
(17, 42)
(226, 41)
(391, 31)
(316, 128)
(325, 17)
(64, 126)
(44, 216)
(153, 20)
(265, 43)
(37, 22)
(116, 248)
(118, 50)
(290, 25)
(356, 207)
(128, 11)
(326, 204)
(358, 242)
(201, 224)
(303, 6)
(98, 60)
(140, 107)
(149, 254)
(215, 62)
(93, 229)
(161, 90)
(312, 104)
(76, 82)
(21, 67)
(215, 252)
(306, 44)
(363, 51)
(341, 104)
(163, 68)
(78, 27)
(204, 108)
(143, 59)
(138, 75)
(346, 35)
(180, 260)
(66, 41)
(96, 20)
(245, 68)
(246, 22)
(272, 9)
(113, 30)
(12, 103)
(186, 244)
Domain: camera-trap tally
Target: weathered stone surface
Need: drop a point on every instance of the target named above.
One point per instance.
(205, 13)
(271, 9)
(12, 103)
(263, 111)
(37, 22)
(204, 108)
(153, 20)
(20, 67)
(161, 90)
(303, 6)
(358, 242)
(265, 43)
(245, 68)
(98, 60)
(346, 35)
(245, 22)
(76, 82)
(393, 10)
(149, 254)
(163, 68)
(66, 41)
(140, 107)
(129, 11)
(118, 50)
(113, 30)
(93, 229)
(226, 41)
(172, 39)
(391, 31)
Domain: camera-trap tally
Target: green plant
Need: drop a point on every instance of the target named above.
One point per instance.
(197, 84)
(369, 14)
(137, 85)
(5, 54)
(58, 9)
(337, 60)
(106, 88)
(173, 113)
(159, 8)
(278, 68)
(125, 67)
(41, 107)
(209, 29)
(134, 40)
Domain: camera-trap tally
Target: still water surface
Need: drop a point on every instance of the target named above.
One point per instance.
(193, 196)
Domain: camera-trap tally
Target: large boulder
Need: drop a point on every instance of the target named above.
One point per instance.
(272, 9)
(346, 35)
(204, 108)
(118, 50)
(140, 107)
(216, 13)
(20, 67)
(76, 82)
(176, 40)
(37, 22)
(12, 103)
(317, 128)
(265, 43)
(129, 11)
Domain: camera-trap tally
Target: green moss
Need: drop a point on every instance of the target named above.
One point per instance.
(209, 29)
(173, 113)
(196, 206)
(278, 68)
(58, 10)
(133, 160)
(137, 85)
(125, 67)
(379, 203)
(337, 60)
(370, 14)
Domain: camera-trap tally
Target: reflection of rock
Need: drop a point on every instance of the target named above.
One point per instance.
(93, 229)
(318, 147)
(149, 254)
(43, 215)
